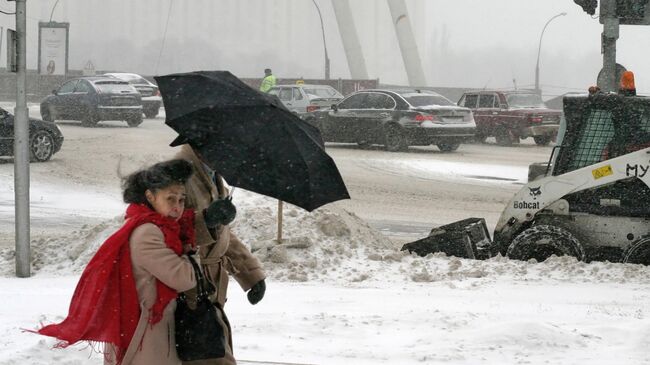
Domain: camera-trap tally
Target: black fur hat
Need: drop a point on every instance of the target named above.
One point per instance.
(158, 176)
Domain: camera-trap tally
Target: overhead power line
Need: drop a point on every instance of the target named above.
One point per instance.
(162, 46)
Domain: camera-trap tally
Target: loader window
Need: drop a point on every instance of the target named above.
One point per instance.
(598, 132)
(632, 132)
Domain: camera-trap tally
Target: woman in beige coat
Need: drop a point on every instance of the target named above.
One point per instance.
(126, 296)
(220, 251)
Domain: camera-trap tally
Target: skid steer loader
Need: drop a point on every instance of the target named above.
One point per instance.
(591, 202)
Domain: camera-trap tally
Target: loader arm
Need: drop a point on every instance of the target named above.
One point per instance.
(542, 193)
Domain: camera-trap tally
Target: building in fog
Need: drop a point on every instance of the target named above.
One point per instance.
(244, 36)
(461, 42)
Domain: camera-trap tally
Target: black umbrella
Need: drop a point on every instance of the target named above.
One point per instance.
(250, 138)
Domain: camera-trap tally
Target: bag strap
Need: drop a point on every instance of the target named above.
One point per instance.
(198, 274)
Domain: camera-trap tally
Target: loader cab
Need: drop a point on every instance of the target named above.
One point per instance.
(600, 127)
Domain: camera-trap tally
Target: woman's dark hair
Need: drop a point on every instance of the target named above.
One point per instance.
(159, 176)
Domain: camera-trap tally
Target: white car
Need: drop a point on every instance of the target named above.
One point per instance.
(306, 98)
(151, 100)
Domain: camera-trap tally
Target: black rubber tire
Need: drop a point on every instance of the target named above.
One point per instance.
(394, 140)
(638, 252)
(542, 140)
(505, 138)
(448, 147)
(540, 242)
(41, 146)
(134, 121)
(151, 113)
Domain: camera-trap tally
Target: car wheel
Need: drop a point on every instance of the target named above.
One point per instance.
(134, 121)
(151, 113)
(540, 242)
(638, 252)
(448, 147)
(41, 147)
(89, 119)
(542, 140)
(505, 137)
(394, 139)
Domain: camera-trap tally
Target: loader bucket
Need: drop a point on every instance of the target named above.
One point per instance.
(467, 238)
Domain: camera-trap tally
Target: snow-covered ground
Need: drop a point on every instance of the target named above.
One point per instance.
(339, 292)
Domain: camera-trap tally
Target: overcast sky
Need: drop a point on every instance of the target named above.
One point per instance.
(464, 43)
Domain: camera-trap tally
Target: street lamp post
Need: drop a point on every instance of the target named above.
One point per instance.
(539, 48)
(322, 27)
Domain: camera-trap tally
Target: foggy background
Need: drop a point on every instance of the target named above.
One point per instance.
(462, 43)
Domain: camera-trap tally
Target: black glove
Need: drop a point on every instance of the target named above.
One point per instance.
(257, 292)
(221, 211)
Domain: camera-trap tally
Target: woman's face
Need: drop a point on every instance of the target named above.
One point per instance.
(168, 202)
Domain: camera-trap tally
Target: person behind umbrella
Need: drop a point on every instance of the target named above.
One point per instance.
(220, 251)
(125, 298)
(268, 81)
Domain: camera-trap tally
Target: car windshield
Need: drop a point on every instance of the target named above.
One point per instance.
(113, 86)
(321, 92)
(525, 101)
(417, 100)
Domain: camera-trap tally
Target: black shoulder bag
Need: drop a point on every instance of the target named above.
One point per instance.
(199, 335)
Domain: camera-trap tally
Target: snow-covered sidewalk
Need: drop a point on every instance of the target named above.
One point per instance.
(469, 321)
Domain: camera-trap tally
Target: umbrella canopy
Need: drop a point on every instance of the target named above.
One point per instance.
(250, 138)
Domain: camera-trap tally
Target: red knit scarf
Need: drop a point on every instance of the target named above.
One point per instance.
(105, 306)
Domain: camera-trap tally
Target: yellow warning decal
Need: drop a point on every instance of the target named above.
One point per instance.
(602, 172)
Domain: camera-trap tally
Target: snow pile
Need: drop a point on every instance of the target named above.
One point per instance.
(63, 254)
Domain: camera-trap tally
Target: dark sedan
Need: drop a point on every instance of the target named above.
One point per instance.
(45, 138)
(396, 119)
(93, 99)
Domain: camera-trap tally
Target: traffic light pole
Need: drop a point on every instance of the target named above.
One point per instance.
(608, 44)
(21, 147)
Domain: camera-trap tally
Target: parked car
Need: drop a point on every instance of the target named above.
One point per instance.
(93, 99)
(149, 93)
(396, 119)
(306, 98)
(45, 138)
(512, 115)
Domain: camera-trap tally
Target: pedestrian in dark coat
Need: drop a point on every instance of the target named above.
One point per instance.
(221, 252)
